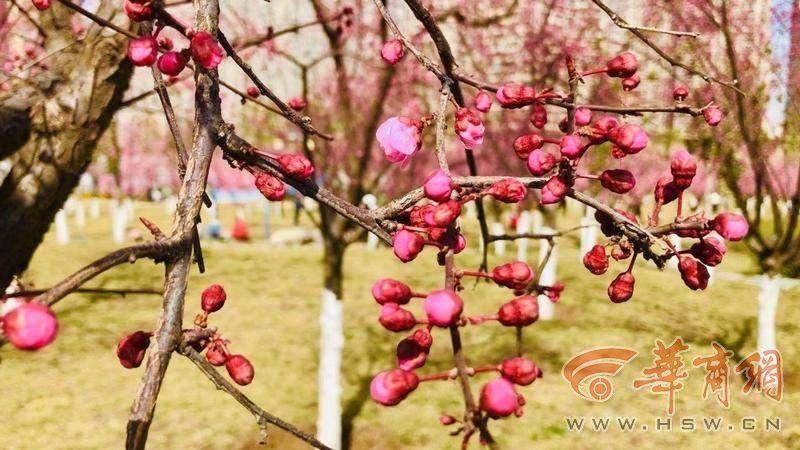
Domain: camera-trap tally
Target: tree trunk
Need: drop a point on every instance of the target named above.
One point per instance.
(329, 409)
(56, 119)
(768, 294)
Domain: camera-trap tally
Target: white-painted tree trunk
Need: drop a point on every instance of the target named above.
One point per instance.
(548, 276)
(80, 214)
(119, 221)
(588, 232)
(329, 409)
(94, 209)
(499, 246)
(768, 294)
(523, 226)
(62, 232)
(672, 263)
(371, 202)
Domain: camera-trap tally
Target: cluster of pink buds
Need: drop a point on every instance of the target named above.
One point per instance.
(144, 50)
(291, 165)
(444, 308)
(27, 325)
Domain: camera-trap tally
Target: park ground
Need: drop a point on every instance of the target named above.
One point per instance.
(74, 394)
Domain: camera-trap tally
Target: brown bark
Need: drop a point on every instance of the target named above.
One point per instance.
(58, 117)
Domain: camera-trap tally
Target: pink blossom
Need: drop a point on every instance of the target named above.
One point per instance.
(443, 307)
(438, 186)
(515, 95)
(41, 5)
(399, 137)
(143, 51)
(483, 102)
(583, 116)
(572, 146)
(680, 92)
(393, 51)
(131, 349)
(407, 245)
(540, 162)
(171, 63)
(553, 191)
(713, 115)
(469, 127)
(499, 398)
(136, 11)
(730, 226)
(387, 290)
(392, 386)
(394, 318)
(30, 326)
(508, 190)
(623, 65)
(206, 50)
(297, 103)
(520, 370)
(630, 83)
(630, 138)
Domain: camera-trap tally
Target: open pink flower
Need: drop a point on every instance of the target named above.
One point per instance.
(30, 326)
(443, 307)
(143, 51)
(399, 137)
(392, 51)
(438, 186)
(206, 50)
(469, 127)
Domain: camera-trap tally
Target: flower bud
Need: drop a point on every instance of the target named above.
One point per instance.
(390, 387)
(447, 420)
(694, 274)
(622, 66)
(270, 187)
(240, 369)
(617, 180)
(410, 354)
(136, 11)
(205, 50)
(41, 5)
(216, 354)
(387, 290)
(583, 116)
(499, 398)
(601, 128)
(438, 186)
(553, 191)
(443, 307)
(29, 326)
(508, 190)
(622, 250)
(131, 349)
(621, 289)
(515, 95)
(713, 115)
(443, 214)
(596, 260)
(171, 63)
(253, 91)
(393, 51)
(519, 312)
(527, 143)
(572, 146)
(143, 51)
(709, 251)
(683, 168)
(394, 318)
(539, 116)
(407, 245)
(399, 137)
(297, 103)
(665, 191)
(469, 128)
(540, 162)
(630, 83)
(630, 138)
(519, 370)
(213, 298)
(732, 227)
(513, 275)
(483, 102)
(554, 292)
(680, 92)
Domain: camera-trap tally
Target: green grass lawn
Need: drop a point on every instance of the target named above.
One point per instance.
(74, 394)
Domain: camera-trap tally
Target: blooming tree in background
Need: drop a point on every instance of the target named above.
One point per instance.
(438, 128)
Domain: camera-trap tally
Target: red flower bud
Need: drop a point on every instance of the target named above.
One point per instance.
(508, 190)
(622, 250)
(253, 91)
(525, 144)
(601, 128)
(553, 191)
(393, 51)
(297, 103)
(217, 354)
(240, 369)
(709, 251)
(630, 83)
(29, 326)
(41, 5)
(713, 115)
(438, 186)
(270, 187)
(665, 191)
(583, 116)
(171, 63)
(143, 51)
(617, 180)
(296, 165)
(596, 260)
(622, 66)
(732, 227)
(694, 274)
(572, 146)
(683, 167)
(392, 386)
(499, 398)
(447, 420)
(213, 298)
(539, 116)
(680, 92)
(513, 275)
(469, 127)
(630, 138)
(131, 349)
(205, 50)
(136, 11)
(443, 307)
(520, 370)
(442, 214)
(515, 95)
(394, 318)
(519, 312)
(483, 102)
(410, 354)
(540, 162)
(407, 245)
(621, 289)
(387, 290)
